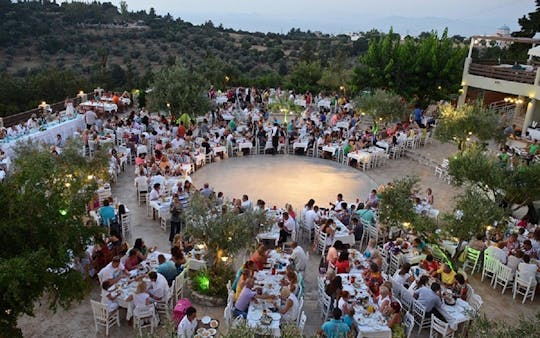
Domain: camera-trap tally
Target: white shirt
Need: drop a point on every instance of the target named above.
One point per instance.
(289, 224)
(159, 288)
(154, 195)
(513, 262)
(178, 142)
(139, 299)
(186, 328)
(292, 314)
(247, 205)
(401, 279)
(90, 117)
(110, 272)
(311, 218)
(338, 205)
(141, 182)
(299, 258)
(496, 253)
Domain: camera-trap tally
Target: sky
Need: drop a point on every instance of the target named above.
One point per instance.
(463, 17)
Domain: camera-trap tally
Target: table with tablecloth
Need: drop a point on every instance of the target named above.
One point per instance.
(367, 322)
(108, 107)
(342, 233)
(66, 129)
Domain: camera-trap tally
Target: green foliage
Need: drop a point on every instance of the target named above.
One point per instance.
(382, 106)
(304, 76)
(472, 214)
(43, 205)
(241, 329)
(181, 87)
(224, 234)
(464, 123)
(212, 282)
(428, 68)
(482, 327)
(518, 186)
(396, 205)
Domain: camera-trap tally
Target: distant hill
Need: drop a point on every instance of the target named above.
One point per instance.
(49, 50)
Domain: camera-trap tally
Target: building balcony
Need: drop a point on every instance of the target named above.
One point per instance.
(526, 74)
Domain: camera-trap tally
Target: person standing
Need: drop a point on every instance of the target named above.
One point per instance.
(90, 118)
(275, 138)
(188, 324)
(176, 210)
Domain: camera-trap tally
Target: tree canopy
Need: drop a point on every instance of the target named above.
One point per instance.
(181, 90)
(466, 123)
(425, 68)
(43, 204)
(381, 105)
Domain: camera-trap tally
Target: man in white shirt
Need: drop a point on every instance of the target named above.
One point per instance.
(312, 217)
(337, 206)
(159, 287)
(299, 257)
(112, 272)
(188, 324)
(497, 253)
(155, 194)
(246, 203)
(178, 142)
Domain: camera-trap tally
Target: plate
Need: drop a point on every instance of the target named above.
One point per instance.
(212, 332)
(201, 330)
(206, 320)
(214, 323)
(197, 336)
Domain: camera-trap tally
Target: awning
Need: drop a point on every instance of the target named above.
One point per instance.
(534, 51)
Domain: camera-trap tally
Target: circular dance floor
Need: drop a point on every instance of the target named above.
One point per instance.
(285, 179)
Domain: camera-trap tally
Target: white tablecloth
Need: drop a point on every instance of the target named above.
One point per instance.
(535, 133)
(102, 105)
(66, 129)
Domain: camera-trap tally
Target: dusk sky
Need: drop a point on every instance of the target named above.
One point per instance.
(464, 17)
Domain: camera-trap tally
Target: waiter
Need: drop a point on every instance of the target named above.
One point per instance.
(275, 137)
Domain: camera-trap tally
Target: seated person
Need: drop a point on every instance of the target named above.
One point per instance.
(343, 303)
(107, 213)
(430, 264)
(246, 295)
(404, 276)
(132, 261)
(108, 297)
(167, 268)
(394, 321)
(373, 278)
(342, 264)
(446, 275)
(289, 311)
(336, 327)
(140, 298)
(420, 246)
(259, 257)
(461, 288)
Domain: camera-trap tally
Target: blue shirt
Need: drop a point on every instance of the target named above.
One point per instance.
(336, 329)
(168, 270)
(418, 114)
(107, 214)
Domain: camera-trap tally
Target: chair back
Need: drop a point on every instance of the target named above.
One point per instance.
(406, 298)
(302, 322)
(146, 311)
(100, 311)
(408, 321)
(476, 302)
(473, 254)
(438, 326)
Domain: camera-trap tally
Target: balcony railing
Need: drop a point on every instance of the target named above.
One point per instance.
(503, 73)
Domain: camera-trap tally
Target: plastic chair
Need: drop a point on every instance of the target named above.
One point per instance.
(473, 256)
(439, 327)
(104, 317)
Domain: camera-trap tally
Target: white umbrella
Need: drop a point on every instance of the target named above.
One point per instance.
(534, 51)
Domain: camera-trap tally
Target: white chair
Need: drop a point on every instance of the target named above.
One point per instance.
(406, 299)
(325, 302)
(476, 302)
(125, 219)
(491, 266)
(300, 307)
(408, 322)
(321, 243)
(524, 284)
(504, 277)
(473, 256)
(179, 286)
(419, 313)
(442, 170)
(142, 149)
(439, 327)
(302, 322)
(227, 315)
(104, 317)
(145, 316)
(163, 223)
(394, 264)
(164, 307)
